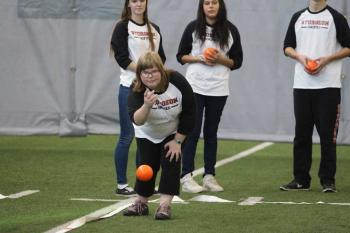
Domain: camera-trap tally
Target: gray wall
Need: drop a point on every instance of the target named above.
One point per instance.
(57, 76)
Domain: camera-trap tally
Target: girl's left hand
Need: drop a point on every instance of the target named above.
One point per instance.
(174, 150)
(322, 62)
(212, 60)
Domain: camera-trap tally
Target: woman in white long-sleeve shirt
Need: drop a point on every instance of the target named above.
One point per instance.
(162, 107)
(209, 78)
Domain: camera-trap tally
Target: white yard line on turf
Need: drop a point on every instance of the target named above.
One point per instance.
(259, 200)
(240, 155)
(19, 195)
(303, 203)
(101, 213)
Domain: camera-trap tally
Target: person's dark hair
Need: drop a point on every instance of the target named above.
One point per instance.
(147, 61)
(220, 31)
(126, 15)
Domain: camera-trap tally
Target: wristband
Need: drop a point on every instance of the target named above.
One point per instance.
(201, 58)
(179, 142)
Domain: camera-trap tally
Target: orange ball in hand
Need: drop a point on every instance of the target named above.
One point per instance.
(144, 173)
(311, 65)
(209, 53)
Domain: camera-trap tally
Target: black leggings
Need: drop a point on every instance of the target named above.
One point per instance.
(320, 108)
(153, 154)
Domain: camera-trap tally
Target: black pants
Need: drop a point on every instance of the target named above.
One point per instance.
(320, 108)
(211, 107)
(154, 155)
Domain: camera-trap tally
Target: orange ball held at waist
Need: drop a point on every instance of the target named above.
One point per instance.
(144, 172)
(311, 65)
(210, 53)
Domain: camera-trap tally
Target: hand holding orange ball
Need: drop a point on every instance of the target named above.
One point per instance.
(311, 65)
(210, 53)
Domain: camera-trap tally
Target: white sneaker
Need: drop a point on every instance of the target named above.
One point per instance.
(189, 185)
(210, 183)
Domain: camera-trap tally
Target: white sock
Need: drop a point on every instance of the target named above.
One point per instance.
(121, 186)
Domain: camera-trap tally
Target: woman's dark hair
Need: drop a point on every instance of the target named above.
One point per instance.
(147, 61)
(126, 15)
(220, 31)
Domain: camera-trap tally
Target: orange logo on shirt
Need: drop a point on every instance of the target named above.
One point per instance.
(309, 23)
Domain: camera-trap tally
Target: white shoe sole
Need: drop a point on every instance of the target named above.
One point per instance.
(212, 190)
(191, 191)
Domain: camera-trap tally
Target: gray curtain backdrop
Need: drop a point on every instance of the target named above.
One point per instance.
(57, 76)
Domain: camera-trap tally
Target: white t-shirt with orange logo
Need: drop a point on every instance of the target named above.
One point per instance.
(173, 112)
(315, 35)
(129, 42)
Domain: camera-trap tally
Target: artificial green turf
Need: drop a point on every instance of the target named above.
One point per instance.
(64, 168)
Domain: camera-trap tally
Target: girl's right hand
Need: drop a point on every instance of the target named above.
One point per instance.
(213, 59)
(149, 98)
(302, 59)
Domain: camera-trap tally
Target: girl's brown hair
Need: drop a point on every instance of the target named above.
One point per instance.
(147, 61)
(126, 15)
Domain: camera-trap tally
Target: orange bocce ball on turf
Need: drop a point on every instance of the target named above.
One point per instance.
(311, 65)
(144, 173)
(209, 53)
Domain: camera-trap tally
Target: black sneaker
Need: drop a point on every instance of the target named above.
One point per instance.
(329, 188)
(127, 191)
(295, 186)
(163, 213)
(136, 209)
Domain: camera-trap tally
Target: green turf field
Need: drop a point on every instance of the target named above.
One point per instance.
(65, 168)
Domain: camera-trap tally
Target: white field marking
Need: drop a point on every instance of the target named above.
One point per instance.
(20, 194)
(208, 198)
(251, 201)
(97, 200)
(101, 213)
(348, 204)
(176, 200)
(303, 203)
(106, 212)
(240, 155)
(287, 203)
(259, 200)
(116, 211)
